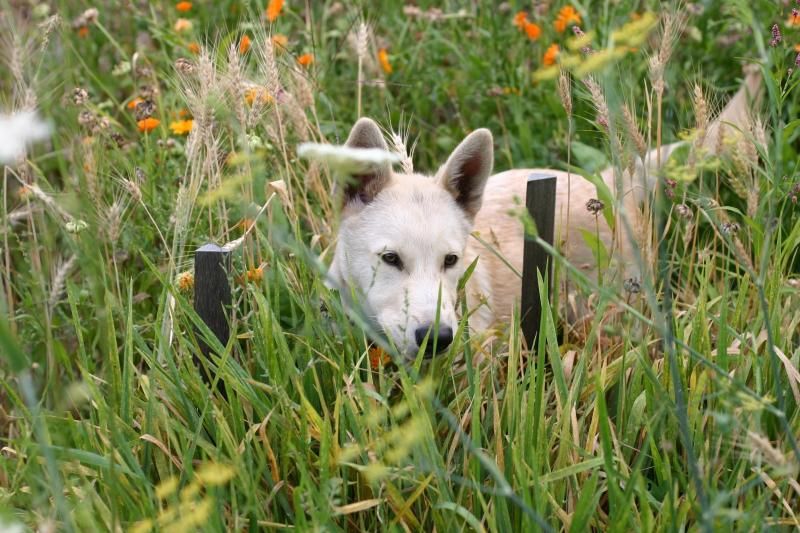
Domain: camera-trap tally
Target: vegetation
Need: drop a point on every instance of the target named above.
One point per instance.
(675, 406)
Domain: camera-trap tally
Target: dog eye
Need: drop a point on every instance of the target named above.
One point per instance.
(450, 260)
(391, 258)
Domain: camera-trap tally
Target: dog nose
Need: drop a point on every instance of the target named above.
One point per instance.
(443, 338)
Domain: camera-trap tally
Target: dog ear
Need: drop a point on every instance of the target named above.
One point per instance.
(367, 134)
(465, 173)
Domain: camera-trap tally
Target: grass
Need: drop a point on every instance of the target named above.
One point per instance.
(675, 407)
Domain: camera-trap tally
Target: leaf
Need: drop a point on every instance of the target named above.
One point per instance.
(591, 159)
(598, 248)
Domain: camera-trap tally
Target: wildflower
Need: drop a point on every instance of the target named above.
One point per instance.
(632, 285)
(183, 7)
(383, 58)
(185, 281)
(259, 94)
(797, 60)
(148, 124)
(566, 15)
(274, 9)
(581, 36)
(520, 19)
(83, 32)
(182, 25)
(85, 19)
(254, 275)
(16, 131)
(776, 36)
(729, 228)
(184, 66)
(532, 30)
(193, 48)
(306, 59)
(550, 55)
(280, 41)
(133, 103)
(378, 357)
(594, 206)
(794, 18)
(684, 211)
(144, 109)
(79, 96)
(75, 226)
(181, 127)
(87, 119)
(244, 44)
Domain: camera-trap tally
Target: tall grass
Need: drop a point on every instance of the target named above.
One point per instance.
(673, 406)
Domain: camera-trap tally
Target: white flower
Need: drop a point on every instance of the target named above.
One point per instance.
(345, 159)
(18, 130)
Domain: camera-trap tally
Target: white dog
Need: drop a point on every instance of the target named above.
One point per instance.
(404, 239)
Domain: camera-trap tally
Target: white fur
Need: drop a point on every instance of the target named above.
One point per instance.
(423, 219)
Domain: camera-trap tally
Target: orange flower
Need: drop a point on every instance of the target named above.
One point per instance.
(133, 103)
(520, 19)
(566, 15)
(378, 357)
(274, 9)
(797, 48)
(794, 19)
(83, 32)
(193, 48)
(244, 44)
(182, 25)
(532, 30)
(550, 55)
(183, 113)
(306, 59)
(383, 58)
(183, 7)
(280, 41)
(255, 275)
(181, 127)
(148, 124)
(185, 281)
(257, 93)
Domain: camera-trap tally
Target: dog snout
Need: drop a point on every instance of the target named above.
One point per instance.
(444, 336)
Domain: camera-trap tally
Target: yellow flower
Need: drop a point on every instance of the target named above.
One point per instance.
(383, 58)
(566, 15)
(181, 127)
(183, 7)
(148, 124)
(550, 55)
(244, 44)
(274, 9)
(306, 59)
(183, 25)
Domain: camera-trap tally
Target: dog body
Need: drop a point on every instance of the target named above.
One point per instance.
(405, 239)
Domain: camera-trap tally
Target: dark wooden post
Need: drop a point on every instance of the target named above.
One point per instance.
(212, 297)
(540, 200)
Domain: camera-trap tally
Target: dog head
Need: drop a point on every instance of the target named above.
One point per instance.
(402, 239)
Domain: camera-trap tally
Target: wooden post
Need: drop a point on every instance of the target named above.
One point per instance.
(212, 298)
(540, 201)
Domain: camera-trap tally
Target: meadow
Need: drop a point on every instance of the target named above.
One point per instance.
(674, 406)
